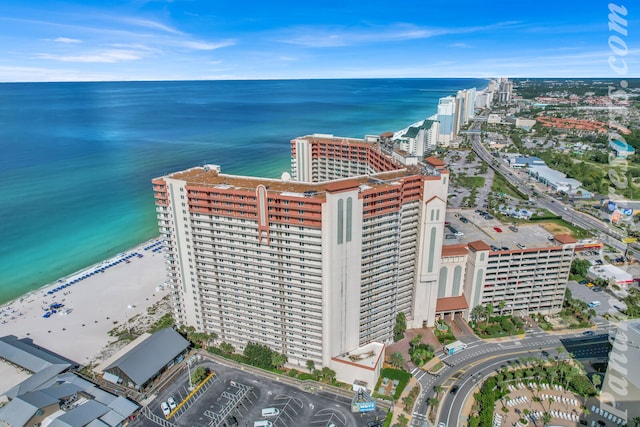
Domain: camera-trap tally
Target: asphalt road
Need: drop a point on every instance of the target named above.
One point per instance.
(543, 200)
(479, 359)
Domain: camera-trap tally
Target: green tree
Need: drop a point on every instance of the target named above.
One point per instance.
(403, 421)
(278, 360)
(227, 348)
(635, 421)
(416, 340)
(478, 313)
(580, 267)
(489, 310)
(258, 355)
(400, 326)
(596, 380)
(198, 375)
(311, 365)
(433, 402)
(501, 305)
(328, 375)
(396, 359)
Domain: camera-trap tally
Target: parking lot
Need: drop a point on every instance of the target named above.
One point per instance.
(587, 294)
(238, 397)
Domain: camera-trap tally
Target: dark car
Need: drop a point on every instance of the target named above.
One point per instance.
(596, 289)
(463, 219)
(232, 421)
(454, 389)
(545, 353)
(588, 333)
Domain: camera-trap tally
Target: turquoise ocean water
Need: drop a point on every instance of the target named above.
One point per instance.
(76, 159)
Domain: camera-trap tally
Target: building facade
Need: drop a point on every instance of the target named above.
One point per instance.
(317, 265)
(314, 266)
(530, 280)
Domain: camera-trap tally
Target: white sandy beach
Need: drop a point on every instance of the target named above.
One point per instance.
(79, 329)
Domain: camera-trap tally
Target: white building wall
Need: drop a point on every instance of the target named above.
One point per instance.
(429, 252)
(179, 249)
(341, 260)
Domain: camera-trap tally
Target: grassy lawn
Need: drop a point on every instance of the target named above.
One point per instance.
(403, 378)
(500, 185)
(470, 182)
(499, 326)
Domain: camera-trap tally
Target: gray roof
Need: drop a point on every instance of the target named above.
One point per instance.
(112, 418)
(81, 415)
(146, 359)
(123, 406)
(16, 413)
(37, 380)
(38, 399)
(27, 355)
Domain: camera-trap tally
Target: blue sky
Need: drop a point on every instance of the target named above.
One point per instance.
(44, 40)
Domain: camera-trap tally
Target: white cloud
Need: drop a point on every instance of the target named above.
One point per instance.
(146, 23)
(107, 56)
(67, 40)
(337, 37)
(200, 45)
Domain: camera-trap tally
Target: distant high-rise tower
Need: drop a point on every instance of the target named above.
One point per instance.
(505, 92)
(446, 117)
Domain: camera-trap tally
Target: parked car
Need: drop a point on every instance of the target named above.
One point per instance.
(172, 402)
(498, 229)
(464, 220)
(588, 333)
(165, 409)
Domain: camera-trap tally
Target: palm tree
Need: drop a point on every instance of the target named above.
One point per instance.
(636, 421)
(396, 359)
(311, 365)
(489, 309)
(278, 359)
(546, 418)
(438, 389)
(551, 400)
(478, 312)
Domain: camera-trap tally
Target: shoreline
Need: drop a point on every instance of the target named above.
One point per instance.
(69, 277)
(84, 306)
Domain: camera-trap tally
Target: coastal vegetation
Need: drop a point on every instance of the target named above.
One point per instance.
(399, 327)
(532, 372)
(420, 352)
(401, 376)
(485, 325)
(576, 313)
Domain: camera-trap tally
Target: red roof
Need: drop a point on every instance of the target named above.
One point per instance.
(434, 161)
(565, 239)
(338, 186)
(479, 245)
(451, 304)
(453, 250)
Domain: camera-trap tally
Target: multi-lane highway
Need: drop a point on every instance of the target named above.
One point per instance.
(480, 359)
(543, 200)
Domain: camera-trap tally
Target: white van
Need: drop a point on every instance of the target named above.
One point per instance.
(270, 412)
(263, 423)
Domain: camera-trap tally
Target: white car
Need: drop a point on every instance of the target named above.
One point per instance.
(172, 403)
(165, 409)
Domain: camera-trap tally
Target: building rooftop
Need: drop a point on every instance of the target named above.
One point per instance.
(211, 177)
(454, 250)
(480, 233)
(452, 304)
(367, 356)
(146, 359)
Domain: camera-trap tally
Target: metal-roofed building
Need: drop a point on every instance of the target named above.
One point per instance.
(54, 397)
(27, 356)
(139, 366)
